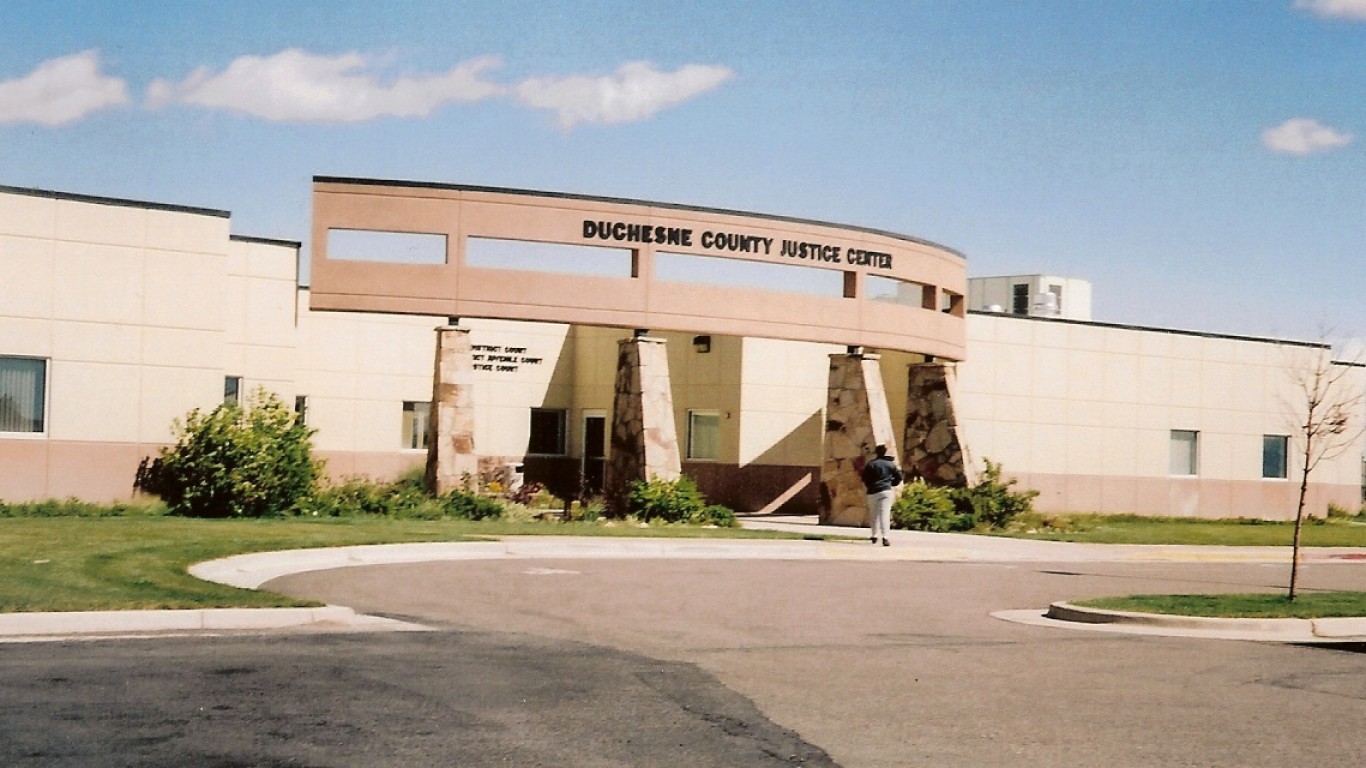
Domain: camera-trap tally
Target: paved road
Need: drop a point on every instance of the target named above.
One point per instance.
(371, 701)
(898, 663)
(864, 656)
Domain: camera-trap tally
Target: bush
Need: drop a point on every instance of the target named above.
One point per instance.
(360, 496)
(235, 462)
(73, 507)
(924, 507)
(405, 499)
(469, 506)
(988, 505)
(993, 505)
(676, 501)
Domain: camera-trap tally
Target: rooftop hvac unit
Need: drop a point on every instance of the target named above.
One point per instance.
(1045, 305)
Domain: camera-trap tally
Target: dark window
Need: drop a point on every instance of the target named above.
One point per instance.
(1019, 304)
(1274, 454)
(547, 432)
(232, 389)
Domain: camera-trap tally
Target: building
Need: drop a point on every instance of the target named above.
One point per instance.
(117, 317)
(1032, 295)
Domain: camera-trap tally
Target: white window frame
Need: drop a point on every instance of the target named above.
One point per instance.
(45, 398)
(236, 397)
(416, 423)
(693, 451)
(1285, 457)
(1179, 437)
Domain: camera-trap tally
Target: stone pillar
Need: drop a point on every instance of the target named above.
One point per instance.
(451, 460)
(644, 442)
(856, 421)
(934, 448)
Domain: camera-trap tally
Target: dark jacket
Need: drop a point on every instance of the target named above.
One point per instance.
(881, 474)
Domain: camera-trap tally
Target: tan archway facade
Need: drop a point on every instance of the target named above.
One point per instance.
(934, 277)
(917, 305)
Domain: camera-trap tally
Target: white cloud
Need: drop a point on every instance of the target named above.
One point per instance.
(1352, 10)
(60, 91)
(297, 86)
(636, 91)
(1303, 136)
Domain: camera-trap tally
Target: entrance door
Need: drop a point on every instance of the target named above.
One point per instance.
(594, 454)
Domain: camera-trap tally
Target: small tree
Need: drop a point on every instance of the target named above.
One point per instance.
(235, 461)
(1327, 422)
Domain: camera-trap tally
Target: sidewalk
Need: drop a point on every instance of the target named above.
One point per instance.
(252, 570)
(920, 545)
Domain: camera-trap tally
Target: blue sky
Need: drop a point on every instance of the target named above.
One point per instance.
(1202, 163)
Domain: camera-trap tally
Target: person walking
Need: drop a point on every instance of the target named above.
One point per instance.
(881, 476)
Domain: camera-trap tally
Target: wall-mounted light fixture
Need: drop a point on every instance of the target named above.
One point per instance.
(701, 344)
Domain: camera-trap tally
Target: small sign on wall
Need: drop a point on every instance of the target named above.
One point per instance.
(497, 358)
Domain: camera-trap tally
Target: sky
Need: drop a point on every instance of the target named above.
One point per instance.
(1201, 162)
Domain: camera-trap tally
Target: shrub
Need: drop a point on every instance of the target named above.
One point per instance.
(235, 462)
(988, 505)
(991, 502)
(924, 507)
(73, 507)
(1340, 514)
(360, 496)
(404, 498)
(676, 501)
(469, 506)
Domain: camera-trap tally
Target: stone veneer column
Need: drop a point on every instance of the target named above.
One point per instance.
(856, 421)
(644, 440)
(934, 450)
(451, 460)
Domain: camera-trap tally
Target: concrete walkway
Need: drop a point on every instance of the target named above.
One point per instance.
(252, 570)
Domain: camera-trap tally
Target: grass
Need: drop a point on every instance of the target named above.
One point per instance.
(1311, 605)
(136, 561)
(1134, 529)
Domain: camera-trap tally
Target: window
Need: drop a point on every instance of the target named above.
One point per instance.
(547, 432)
(1185, 452)
(416, 415)
(389, 247)
(1275, 449)
(23, 387)
(1019, 304)
(1056, 290)
(301, 408)
(232, 389)
(704, 435)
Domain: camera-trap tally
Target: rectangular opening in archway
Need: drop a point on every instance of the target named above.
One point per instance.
(386, 247)
(557, 258)
(879, 288)
(753, 275)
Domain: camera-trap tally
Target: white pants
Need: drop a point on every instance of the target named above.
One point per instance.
(880, 512)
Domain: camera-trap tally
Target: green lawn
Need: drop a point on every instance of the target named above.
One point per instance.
(121, 563)
(1131, 529)
(1310, 605)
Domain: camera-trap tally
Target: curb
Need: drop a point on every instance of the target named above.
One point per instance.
(1343, 629)
(65, 623)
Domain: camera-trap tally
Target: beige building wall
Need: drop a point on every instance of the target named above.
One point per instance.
(119, 300)
(783, 401)
(358, 369)
(141, 310)
(1084, 413)
(260, 305)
